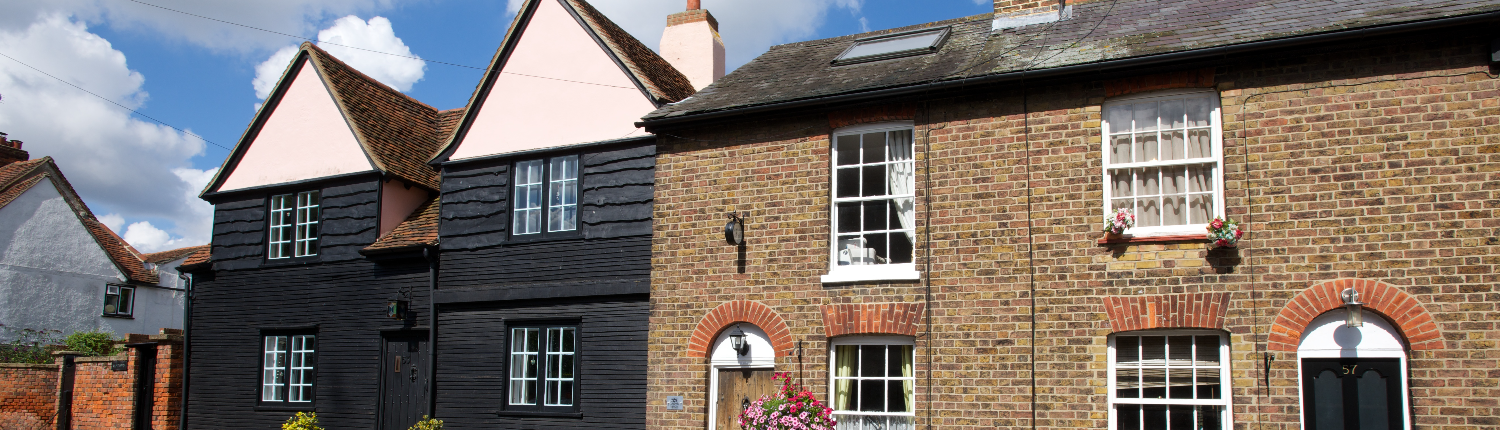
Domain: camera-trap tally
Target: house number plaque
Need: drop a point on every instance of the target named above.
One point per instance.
(674, 403)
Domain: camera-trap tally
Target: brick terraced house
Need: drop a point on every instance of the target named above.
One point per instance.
(922, 214)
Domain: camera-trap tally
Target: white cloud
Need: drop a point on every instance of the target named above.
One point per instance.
(513, 6)
(121, 165)
(747, 27)
(374, 35)
(115, 222)
(147, 238)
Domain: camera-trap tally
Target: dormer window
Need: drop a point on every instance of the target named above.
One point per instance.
(546, 196)
(887, 46)
(294, 225)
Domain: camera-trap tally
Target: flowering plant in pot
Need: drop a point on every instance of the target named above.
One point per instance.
(1224, 232)
(791, 408)
(1116, 223)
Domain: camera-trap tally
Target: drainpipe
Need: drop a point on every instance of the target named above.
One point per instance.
(65, 391)
(431, 252)
(187, 348)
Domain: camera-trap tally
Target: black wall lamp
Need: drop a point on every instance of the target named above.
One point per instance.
(396, 307)
(737, 341)
(1353, 316)
(734, 231)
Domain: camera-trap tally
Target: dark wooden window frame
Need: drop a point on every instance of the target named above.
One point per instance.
(544, 234)
(129, 312)
(285, 405)
(266, 255)
(540, 409)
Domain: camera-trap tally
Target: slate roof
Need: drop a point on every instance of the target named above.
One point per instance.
(1129, 29)
(397, 132)
(16, 178)
(172, 255)
(419, 229)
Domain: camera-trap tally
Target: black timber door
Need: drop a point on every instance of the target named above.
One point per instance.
(1352, 394)
(404, 379)
(145, 386)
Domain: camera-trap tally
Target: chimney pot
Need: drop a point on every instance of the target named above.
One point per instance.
(15, 144)
(694, 4)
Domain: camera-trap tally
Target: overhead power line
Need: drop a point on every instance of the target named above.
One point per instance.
(114, 102)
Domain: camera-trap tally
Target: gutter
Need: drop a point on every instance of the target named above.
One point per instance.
(655, 124)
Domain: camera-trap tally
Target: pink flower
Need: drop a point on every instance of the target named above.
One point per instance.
(1216, 224)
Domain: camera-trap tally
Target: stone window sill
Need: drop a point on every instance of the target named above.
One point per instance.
(1129, 239)
(884, 272)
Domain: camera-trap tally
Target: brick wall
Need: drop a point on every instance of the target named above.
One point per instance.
(103, 398)
(1377, 161)
(28, 393)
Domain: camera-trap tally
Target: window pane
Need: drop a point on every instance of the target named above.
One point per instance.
(872, 361)
(1172, 114)
(1209, 418)
(875, 215)
(1172, 146)
(872, 395)
(1208, 351)
(1127, 383)
(1128, 417)
(1147, 212)
(895, 396)
(873, 181)
(1208, 383)
(1145, 147)
(1198, 110)
(1179, 350)
(899, 145)
(1154, 383)
(1199, 143)
(1180, 383)
(1127, 350)
(1119, 121)
(1181, 417)
(567, 344)
(1153, 350)
(848, 217)
(847, 148)
(901, 247)
(851, 250)
(848, 182)
(1119, 147)
(1201, 179)
(874, 147)
(877, 242)
(1154, 417)
(1122, 183)
(1145, 116)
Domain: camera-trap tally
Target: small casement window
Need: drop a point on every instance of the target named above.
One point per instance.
(873, 383)
(1168, 380)
(294, 225)
(1163, 158)
(543, 368)
(874, 216)
(119, 300)
(546, 196)
(288, 365)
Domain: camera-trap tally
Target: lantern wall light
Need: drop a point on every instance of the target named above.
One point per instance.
(737, 341)
(1353, 309)
(396, 307)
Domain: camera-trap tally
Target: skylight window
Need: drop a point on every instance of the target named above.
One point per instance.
(925, 41)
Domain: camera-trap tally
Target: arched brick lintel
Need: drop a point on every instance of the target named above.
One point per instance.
(1191, 310)
(738, 311)
(872, 318)
(1405, 311)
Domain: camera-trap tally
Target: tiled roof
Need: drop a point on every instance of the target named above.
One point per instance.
(447, 123)
(398, 132)
(1129, 28)
(665, 83)
(196, 259)
(171, 255)
(16, 178)
(419, 229)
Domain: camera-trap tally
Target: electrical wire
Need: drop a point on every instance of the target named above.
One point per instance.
(115, 103)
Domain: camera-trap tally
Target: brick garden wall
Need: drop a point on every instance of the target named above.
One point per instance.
(1377, 162)
(28, 394)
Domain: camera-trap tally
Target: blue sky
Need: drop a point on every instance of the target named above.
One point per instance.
(141, 178)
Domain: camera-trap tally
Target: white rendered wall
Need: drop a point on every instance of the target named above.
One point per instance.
(53, 273)
(696, 50)
(581, 95)
(306, 137)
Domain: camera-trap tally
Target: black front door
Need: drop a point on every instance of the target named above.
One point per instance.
(404, 380)
(1353, 394)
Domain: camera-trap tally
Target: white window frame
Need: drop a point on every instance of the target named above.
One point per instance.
(867, 272)
(546, 397)
(293, 218)
(124, 303)
(297, 363)
(550, 188)
(871, 341)
(1216, 135)
(1225, 393)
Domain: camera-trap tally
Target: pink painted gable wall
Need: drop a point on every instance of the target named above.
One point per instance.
(528, 112)
(397, 200)
(306, 137)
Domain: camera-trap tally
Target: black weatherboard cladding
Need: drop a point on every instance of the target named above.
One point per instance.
(349, 211)
(472, 362)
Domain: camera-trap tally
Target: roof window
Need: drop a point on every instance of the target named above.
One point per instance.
(918, 42)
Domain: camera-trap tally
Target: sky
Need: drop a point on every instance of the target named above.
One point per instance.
(197, 70)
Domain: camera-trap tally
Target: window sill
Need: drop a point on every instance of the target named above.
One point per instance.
(539, 414)
(123, 317)
(284, 408)
(886, 272)
(1128, 239)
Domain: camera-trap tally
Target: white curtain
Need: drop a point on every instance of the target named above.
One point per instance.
(901, 174)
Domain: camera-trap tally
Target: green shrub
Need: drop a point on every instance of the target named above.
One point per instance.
(28, 345)
(302, 421)
(427, 423)
(92, 343)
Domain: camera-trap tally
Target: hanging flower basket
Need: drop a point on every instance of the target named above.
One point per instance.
(1224, 232)
(791, 408)
(1116, 223)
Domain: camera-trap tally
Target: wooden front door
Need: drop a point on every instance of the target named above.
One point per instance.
(1352, 394)
(737, 389)
(404, 380)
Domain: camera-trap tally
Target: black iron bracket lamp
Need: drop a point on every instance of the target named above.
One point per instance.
(734, 231)
(397, 306)
(738, 343)
(1353, 312)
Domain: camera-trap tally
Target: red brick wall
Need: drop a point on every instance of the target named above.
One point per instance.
(103, 398)
(1377, 161)
(27, 392)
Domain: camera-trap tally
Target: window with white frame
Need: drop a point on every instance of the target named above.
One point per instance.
(1169, 380)
(543, 368)
(1163, 158)
(119, 300)
(547, 187)
(874, 199)
(873, 383)
(287, 368)
(294, 225)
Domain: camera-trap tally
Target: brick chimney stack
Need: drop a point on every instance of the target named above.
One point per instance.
(10, 151)
(691, 43)
(1020, 13)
